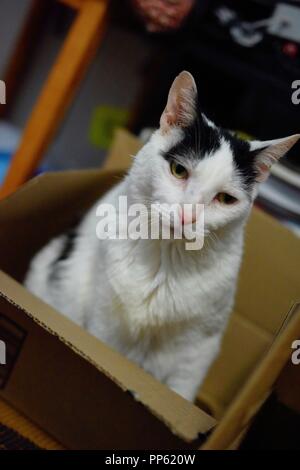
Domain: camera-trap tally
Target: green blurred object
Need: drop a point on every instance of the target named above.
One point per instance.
(105, 120)
(243, 135)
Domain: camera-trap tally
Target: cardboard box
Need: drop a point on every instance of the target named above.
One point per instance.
(86, 395)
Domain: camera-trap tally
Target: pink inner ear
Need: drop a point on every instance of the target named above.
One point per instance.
(170, 118)
(167, 120)
(263, 172)
(181, 101)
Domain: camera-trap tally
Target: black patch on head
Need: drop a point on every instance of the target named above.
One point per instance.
(244, 159)
(200, 140)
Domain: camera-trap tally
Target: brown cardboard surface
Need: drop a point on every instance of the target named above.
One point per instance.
(80, 390)
(54, 355)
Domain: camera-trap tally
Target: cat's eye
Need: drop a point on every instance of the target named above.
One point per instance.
(225, 198)
(178, 170)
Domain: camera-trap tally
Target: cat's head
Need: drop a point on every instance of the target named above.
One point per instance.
(190, 160)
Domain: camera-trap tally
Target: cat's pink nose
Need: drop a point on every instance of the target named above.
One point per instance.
(188, 216)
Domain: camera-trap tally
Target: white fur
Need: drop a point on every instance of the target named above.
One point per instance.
(162, 306)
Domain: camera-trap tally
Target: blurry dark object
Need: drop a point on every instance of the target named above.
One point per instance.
(247, 34)
(246, 69)
(280, 199)
(276, 427)
(243, 88)
(285, 21)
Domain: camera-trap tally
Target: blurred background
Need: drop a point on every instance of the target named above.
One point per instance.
(244, 55)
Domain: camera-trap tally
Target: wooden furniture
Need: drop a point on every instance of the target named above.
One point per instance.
(26, 429)
(58, 92)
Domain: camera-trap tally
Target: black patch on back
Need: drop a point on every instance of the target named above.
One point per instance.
(67, 250)
(68, 246)
(201, 139)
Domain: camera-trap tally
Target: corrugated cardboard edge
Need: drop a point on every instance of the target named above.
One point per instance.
(183, 418)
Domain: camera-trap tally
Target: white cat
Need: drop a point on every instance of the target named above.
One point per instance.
(163, 306)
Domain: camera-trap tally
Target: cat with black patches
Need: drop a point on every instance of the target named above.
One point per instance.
(163, 306)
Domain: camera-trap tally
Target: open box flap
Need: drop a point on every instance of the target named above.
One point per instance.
(258, 387)
(269, 277)
(232, 369)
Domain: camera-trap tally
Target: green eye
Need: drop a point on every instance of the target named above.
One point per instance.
(225, 198)
(178, 170)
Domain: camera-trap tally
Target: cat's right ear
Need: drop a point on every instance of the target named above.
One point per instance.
(181, 106)
(268, 152)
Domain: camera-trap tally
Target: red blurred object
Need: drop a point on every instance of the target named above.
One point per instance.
(291, 49)
(163, 15)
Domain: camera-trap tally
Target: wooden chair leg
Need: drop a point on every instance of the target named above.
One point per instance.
(76, 54)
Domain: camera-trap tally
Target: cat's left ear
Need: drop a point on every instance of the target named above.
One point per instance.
(268, 152)
(181, 106)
